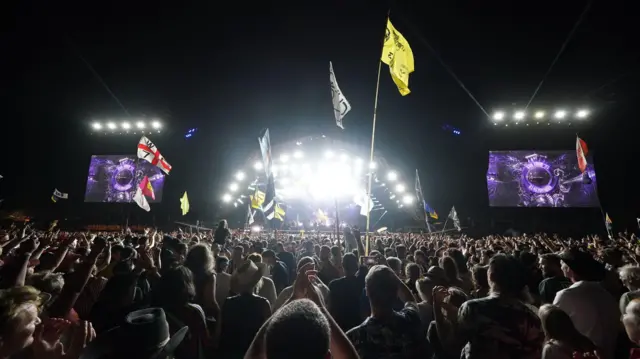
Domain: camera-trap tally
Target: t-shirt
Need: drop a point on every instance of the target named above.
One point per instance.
(498, 328)
(397, 337)
(344, 294)
(549, 287)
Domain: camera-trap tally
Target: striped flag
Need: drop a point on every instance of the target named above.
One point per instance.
(269, 205)
(265, 149)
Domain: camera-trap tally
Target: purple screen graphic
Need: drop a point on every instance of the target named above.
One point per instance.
(539, 179)
(114, 179)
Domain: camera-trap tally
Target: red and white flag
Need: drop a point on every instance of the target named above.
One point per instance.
(141, 200)
(147, 189)
(150, 153)
(581, 152)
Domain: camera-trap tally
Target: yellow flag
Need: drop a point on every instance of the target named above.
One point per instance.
(257, 199)
(279, 213)
(184, 203)
(397, 53)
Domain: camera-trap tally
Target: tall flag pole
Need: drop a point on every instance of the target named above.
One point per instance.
(426, 210)
(340, 104)
(396, 53)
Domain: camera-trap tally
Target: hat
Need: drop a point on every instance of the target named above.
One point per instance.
(245, 277)
(583, 264)
(144, 334)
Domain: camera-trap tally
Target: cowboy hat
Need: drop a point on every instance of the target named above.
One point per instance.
(144, 335)
(245, 277)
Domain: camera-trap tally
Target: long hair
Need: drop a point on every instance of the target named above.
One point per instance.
(200, 261)
(557, 325)
(176, 288)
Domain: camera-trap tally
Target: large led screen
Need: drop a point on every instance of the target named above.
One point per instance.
(540, 179)
(115, 178)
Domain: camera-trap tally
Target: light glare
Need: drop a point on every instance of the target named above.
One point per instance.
(498, 116)
(400, 188)
(240, 176)
(97, 126)
(560, 114)
(126, 125)
(257, 166)
(392, 176)
(140, 124)
(519, 115)
(111, 125)
(156, 124)
(233, 187)
(297, 154)
(539, 114)
(226, 197)
(582, 113)
(408, 199)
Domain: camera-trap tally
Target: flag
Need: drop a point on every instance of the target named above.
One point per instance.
(638, 220)
(454, 217)
(581, 152)
(432, 212)
(607, 221)
(184, 203)
(340, 104)
(150, 153)
(321, 216)
(265, 149)
(141, 200)
(421, 201)
(59, 194)
(257, 198)
(269, 205)
(54, 199)
(147, 189)
(363, 200)
(397, 53)
(279, 213)
(250, 219)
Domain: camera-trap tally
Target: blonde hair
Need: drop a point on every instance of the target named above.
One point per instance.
(11, 302)
(630, 274)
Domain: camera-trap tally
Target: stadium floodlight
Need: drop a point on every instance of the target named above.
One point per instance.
(284, 157)
(226, 197)
(408, 199)
(297, 154)
(140, 125)
(233, 187)
(560, 114)
(539, 114)
(126, 126)
(498, 116)
(400, 188)
(519, 115)
(96, 126)
(240, 176)
(111, 126)
(257, 165)
(156, 124)
(392, 176)
(582, 113)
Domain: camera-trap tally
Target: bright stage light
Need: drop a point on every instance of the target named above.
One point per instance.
(539, 114)
(156, 125)
(582, 113)
(96, 126)
(140, 125)
(392, 176)
(344, 157)
(297, 154)
(328, 154)
(498, 116)
(560, 114)
(519, 115)
(255, 229)
(408, 199)
(126, 125)
(257, 166)
(284, 158)
(400, 188)
(373, 165)
(226, 197)
(233, 187)
(240, 176)
(111, 126)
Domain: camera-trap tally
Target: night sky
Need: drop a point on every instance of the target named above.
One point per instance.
(233, 68)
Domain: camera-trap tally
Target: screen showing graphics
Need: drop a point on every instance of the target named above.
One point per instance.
(539, 179)
(114, 178)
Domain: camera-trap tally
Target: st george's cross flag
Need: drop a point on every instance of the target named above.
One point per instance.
(150, 153)
(140, 199)
(340, 104)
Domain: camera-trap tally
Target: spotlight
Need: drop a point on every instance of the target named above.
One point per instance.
(233, 187)
(284, 157)
(111, 125)
(97, 126)
(240, 176)
(408, 199)
(343, 157)
(126, 125)
(373, 165)
(255, 229)
(498, 116)
(297, 154)
(257, 166)
(539, 114)
(328, 154)
(519, 115)
(400, 188)
(156, 124)
(140, 124)
(226, 197)
(392, 176)
(560, 114)
(582, 113)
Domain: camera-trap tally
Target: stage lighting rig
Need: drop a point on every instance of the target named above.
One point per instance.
(127, 126)
(540, 116)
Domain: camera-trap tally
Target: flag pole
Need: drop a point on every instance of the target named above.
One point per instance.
(373, 137)
(337, 221)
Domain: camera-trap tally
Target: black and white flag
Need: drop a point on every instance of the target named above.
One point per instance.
(454, 217)
(269, 205)
(250, 219)
(340, 104)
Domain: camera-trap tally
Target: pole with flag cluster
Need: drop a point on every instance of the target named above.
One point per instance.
(397, 54)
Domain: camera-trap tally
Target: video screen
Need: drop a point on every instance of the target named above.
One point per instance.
(540, 179)
(114, 179)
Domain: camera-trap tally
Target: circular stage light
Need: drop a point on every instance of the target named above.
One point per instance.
(226, 197)
(240, 176)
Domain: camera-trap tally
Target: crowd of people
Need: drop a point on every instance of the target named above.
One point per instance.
(221, 294)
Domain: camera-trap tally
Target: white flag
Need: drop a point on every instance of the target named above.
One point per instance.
(60, 194)
(454, 216)
(140, 200)
(150, 153)
(250, 219)
(340, 104)
(363, 200)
